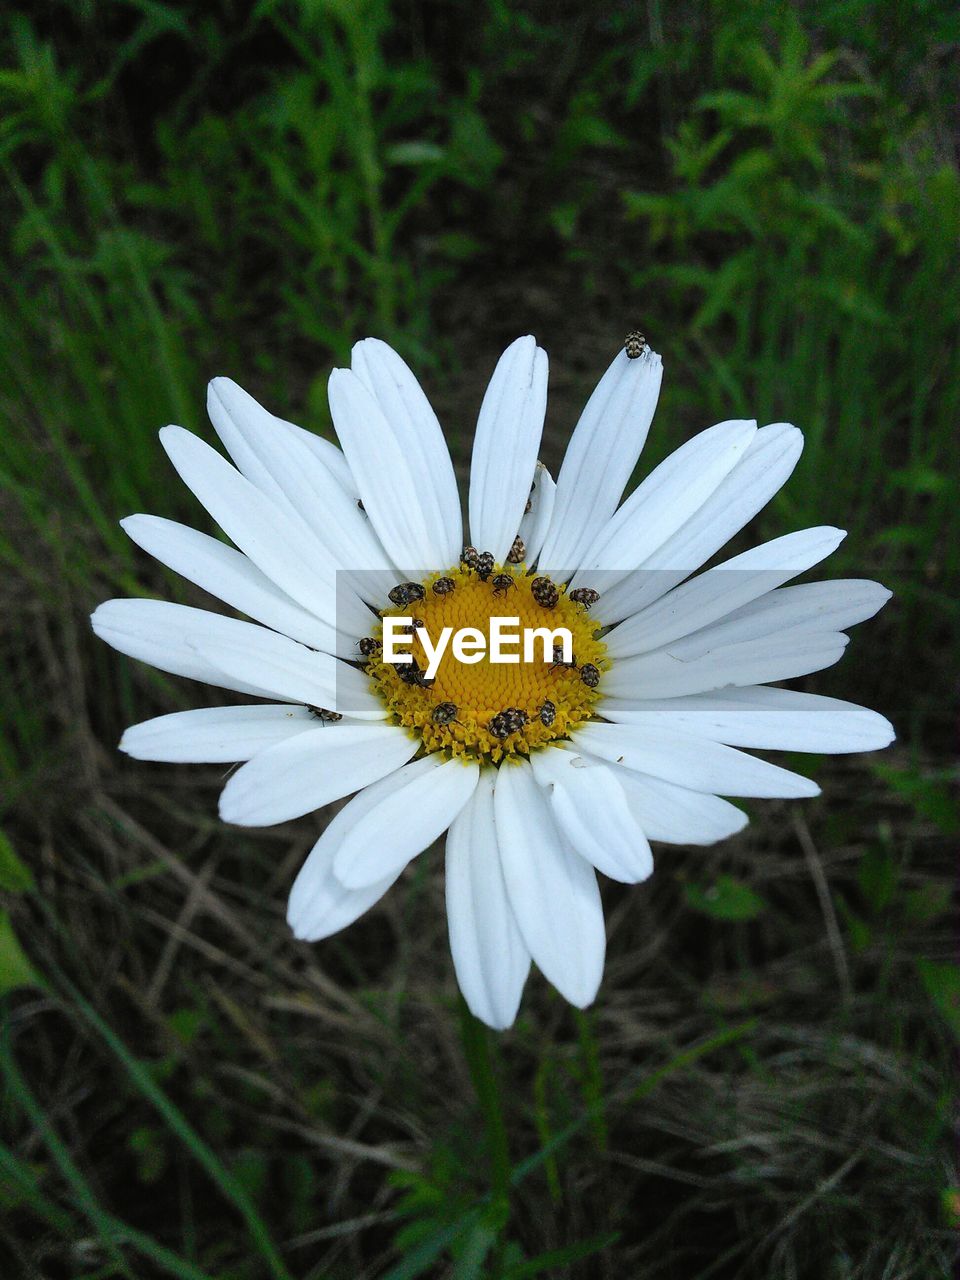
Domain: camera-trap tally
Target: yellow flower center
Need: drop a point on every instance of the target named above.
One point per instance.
(488, 709)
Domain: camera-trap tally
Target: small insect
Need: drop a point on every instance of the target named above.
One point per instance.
(325, 716)
(469, 557)
(544, 592)
(443, 586)
(368, 646)
(585, 596)
(361, 506)
(410, 673)
(444, 713)
(548, 713)
(560, 661)
(502, 584)
(634, 344)
(485, 563)
(509, 720)
(590, 675)
(406, 592)
(518, 552)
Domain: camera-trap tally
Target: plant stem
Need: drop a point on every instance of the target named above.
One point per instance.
(476, 1046)
(591, 1078)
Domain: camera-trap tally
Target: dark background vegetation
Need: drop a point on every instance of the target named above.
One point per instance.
(764, 1086)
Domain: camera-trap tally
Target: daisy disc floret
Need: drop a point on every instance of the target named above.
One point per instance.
(482, 690)
(541, 772)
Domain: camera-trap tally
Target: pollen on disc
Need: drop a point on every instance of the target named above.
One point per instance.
(488, 709)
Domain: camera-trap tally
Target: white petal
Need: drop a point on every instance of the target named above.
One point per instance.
(666, 499)
(813, 607)
(287, 669)
(669, 674)
(717, 593)
(765, 466)
(229, 575)
(415, 426)
(248, 431)
(692, 762)
(553, 891)
(489, 955)
(296, 673)
(506, 445)
(303, 475)
(602, 453)
(215, 735)
(405, 821)
(760, 717)
(320, 904)
(590, 808)
(331, 905)
(331, 457)
(396, 506)
(166, 635)
(312, 769)
(282, 547)
(292, 466)
(536, 521)
(675, 814)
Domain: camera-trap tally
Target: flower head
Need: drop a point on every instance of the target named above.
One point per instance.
(541, 770)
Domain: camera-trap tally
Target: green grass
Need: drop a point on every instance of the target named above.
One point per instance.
(763, 1088)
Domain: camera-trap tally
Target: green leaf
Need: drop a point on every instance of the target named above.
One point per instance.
(251, 1169)
(425, 1254)
(15, 969)
(930, 796)
(470, 1252)
(729, 899)
(15, 876)
(564, 219)
(860, 933)
(950, 1207)
(185, 1024)
(878, 878)
(942, 983)
(147, 1145)
(415, 153)
(901, 535)
(929, 902)
(556, 1258)
(459, 245)
(919, 478)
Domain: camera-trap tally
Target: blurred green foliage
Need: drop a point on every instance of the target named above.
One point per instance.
(772, 191)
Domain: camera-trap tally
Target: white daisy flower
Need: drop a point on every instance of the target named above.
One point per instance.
(541, 773)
